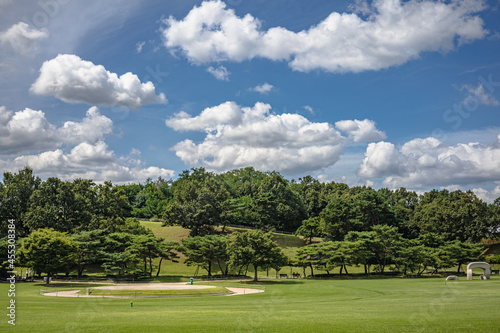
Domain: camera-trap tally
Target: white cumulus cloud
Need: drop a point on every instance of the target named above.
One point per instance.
(22, 38)
(220, 73)
(74, 80)
(478, 96)
(424, 163)
(264, 88)
(239, 136)
(28, 130)
(393, 33)
(361, 130)
(91, 161)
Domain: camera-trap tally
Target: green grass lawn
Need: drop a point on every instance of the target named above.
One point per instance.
(356, 305)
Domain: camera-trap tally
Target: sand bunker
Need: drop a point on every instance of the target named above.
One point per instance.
(152, 286)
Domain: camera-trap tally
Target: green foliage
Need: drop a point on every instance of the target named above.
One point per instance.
(53, 205)
(90, 249)
(339, 218)
(456, 216)
(256, 248)
(200, 203)
(149, 200)
(202, 251)
(47, 251)
(15, 199)
(310, 228)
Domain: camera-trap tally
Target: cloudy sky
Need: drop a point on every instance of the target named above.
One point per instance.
(383, 93)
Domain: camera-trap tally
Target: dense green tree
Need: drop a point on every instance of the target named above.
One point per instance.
(152, 199)
(277, 206)
(48, 251)
(85, 203)
(90, 249)
(243, 182)
(494, 219)
(15, 194)
(146, 247)
(313, 193)
(316, 256)
(310, 228)
(120, 257)
(402, 203)
(339, 218)
(256, 248)
(385, 243)
(111, 202)
(372, 209)
(458, 253)
(455, 216)
(53, 205)
(362, 248)
(202, 251)
(167, 251)
(4, 256)
(198, 205)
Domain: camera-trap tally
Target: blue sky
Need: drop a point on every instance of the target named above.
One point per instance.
(384, 93)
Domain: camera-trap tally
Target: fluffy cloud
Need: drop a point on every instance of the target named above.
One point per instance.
(253, 136)
(226, 113)
(488, 196)
(25, 130)
(424, 163)
(74, 80)
(220, 73)
(94, 127)
(28, 130)
(22, 38)
(361, 130)
(393, 33)
(476, 96)
(263, 88)
(93, 161)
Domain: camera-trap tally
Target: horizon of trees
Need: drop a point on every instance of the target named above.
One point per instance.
(99, 217)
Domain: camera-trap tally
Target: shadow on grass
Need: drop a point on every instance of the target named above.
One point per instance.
(274, 281)
(70, 285)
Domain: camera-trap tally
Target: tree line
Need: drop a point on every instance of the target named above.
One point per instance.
(100, 217)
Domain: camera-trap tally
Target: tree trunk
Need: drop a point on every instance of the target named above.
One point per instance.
(341, 267)
(209, 268)
(366, 269)
(345, 269)
(220, 266)
(80, 270)
(159, 266)
(255, 276)
(150, 267)
(312, 272)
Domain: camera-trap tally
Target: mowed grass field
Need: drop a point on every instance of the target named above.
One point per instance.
(354, 305)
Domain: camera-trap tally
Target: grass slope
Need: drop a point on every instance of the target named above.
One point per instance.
(289, 244)
(359, 305)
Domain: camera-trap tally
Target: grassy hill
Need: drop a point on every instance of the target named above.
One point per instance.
(289, 244)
